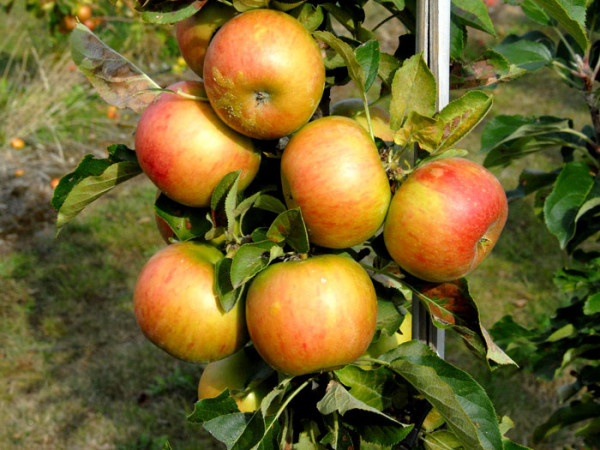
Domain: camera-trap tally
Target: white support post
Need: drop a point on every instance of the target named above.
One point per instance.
(433, 40)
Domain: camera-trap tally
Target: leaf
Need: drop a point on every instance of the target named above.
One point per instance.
(592, 304)
(535, 12)
(227, 294)
(387, 67)
(170, 11)
(417, 128)
(289, 227)
(84, 190)
(451, 305)
(459, 399)
(310, 16)
(570, 14)
(211, 408)
(238, 431)
(380, 428)
(530, 181)
(373, 387)
(344, 50)
(461, 116)
(473, 13)
(367, 56)
(246, 5)
(186, 222)
(489, 69)
(458, 38)
(413, 89)
(531, 51)
(223, 201)
(575, 412)
(505, 138)
(250, 259)
(389, 318)
(562, 205)
(117, 80)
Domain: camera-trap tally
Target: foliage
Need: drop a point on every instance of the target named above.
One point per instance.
(568, 200)
(373, 402)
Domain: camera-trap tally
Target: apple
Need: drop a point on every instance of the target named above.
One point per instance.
(354, 108)
(177, 309)
(264, 74)
(332, 171)
(233, 373)
(311, 315)
(84, 12)
(444, 219)
(185, 149)
(194, 33)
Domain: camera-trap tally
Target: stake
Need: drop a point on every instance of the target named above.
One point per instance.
(433, 39)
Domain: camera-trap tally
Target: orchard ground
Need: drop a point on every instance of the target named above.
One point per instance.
(78, 373)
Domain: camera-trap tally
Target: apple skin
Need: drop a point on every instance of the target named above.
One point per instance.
(444, 219)
(194, 33)
(185, 149)
(332, 171)
(176, 307)
(232, 373)
(264, 74)
(354, 108)
(311, 315)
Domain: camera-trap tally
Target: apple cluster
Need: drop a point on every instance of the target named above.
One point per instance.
(263, 78)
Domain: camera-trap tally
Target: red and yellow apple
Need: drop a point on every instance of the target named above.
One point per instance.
(444, 219)
(194, 33)
(354, 108)
(233, 373)
(264, 74)
(311, 315)
(185, 149)
(177, 309)
(332, 171)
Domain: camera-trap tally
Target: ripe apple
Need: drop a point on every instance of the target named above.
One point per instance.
(233, 373)
(194, 33)
(84, 12)
(311, 315)
(332, 171)
(177, 309)
(264, 74)
(186, 150)
(444, 219)
(354, 108)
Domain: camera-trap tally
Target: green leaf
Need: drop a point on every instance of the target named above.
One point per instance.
(458, 38)
(227, 294)
(310, 16)
(570, 14)
(575, 412)
(116, 79)
(413, 89)
(489, 69)
(86, 187)
(238, 431)
(367, 56)
(375, 427)
(417, 128)
(387, 67)
(223, 201)
(171, 11)
(373, 387)
(186, 222)
(592, 304)
(451, 306)
(535, 12)
(211, 408)
(289, 227)
(530, 181)
(270, 203)
(389, 317)
(459, 399)
(473, 13)
(568, 195)
(344, 50)
(461, 116)
(531, 51)
(250, 259)
(246, 5)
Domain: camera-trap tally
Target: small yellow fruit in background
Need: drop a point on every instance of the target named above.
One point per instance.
(19, 173)
(54, 182)
(17, 143)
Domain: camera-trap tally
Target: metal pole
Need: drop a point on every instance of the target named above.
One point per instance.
(433, 39)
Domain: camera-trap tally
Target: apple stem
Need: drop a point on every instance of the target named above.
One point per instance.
(368, 115)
